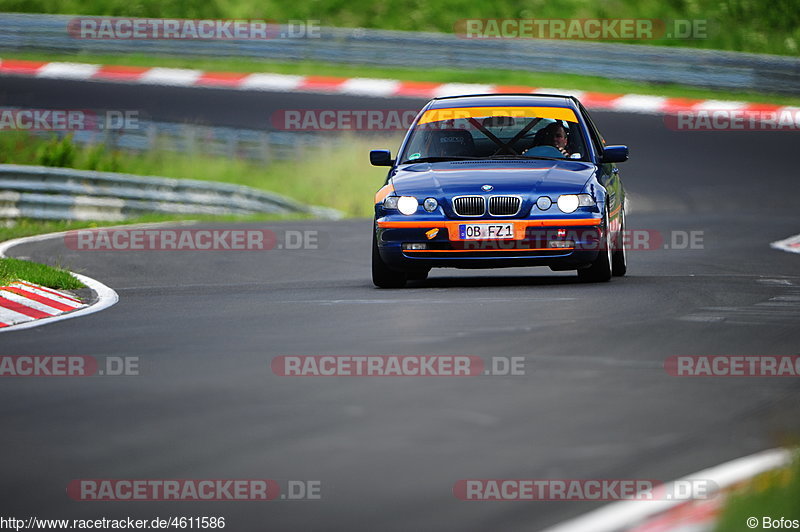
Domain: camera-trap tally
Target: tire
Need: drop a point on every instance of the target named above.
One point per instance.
(382, 275)
(600, 269)
(619, 259)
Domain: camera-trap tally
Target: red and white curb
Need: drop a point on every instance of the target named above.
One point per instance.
(372, 87)
(791, 244)
(22, 302)
(24, 305)
(676, 515)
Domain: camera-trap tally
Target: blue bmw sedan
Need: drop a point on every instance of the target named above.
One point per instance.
(492, 181)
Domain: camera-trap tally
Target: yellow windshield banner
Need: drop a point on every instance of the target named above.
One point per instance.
(455, 113)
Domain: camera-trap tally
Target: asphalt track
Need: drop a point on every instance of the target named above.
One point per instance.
(595, 401)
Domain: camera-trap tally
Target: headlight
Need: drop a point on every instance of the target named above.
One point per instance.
(390, 202)
(430, 204)
(407, 205)
(544, 203)
(570, 202)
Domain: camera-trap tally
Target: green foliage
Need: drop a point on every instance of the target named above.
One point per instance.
(21, 270)
(337, 176)
(774, 494)
(56, 152)
(741, 25)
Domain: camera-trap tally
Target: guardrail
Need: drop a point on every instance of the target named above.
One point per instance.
(657, 64)
(262, 146)
(45, 193)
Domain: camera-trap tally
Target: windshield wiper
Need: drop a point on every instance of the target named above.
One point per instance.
(437, 159)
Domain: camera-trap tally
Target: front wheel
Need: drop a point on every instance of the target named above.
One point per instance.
(382, 275)
(600, 269)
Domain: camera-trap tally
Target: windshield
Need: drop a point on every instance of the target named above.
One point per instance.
(495, 132)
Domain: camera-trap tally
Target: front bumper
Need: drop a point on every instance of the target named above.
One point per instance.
(532, 244)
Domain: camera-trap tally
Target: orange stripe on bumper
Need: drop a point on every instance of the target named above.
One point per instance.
(520, 226)
(479, 250)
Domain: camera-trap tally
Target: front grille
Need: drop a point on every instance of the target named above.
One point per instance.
(469, 205)
(504, 205)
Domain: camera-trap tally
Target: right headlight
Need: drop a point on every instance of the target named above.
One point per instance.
(407, 205)
(570, 202)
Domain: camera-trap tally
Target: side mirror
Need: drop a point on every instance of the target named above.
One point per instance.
(615, 154)
(381, 158)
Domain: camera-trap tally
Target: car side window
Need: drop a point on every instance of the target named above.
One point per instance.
(597, 139)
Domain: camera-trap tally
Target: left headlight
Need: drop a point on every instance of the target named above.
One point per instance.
(407, 205)
(570, 202)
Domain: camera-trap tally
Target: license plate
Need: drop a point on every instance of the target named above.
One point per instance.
(486, 231)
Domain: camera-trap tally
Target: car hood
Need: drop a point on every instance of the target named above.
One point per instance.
(532, 177)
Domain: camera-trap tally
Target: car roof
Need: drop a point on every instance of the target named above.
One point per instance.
(504, 100)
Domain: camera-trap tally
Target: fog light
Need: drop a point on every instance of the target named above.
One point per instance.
(560, 244)
(544, 203)
(430, 204)
(415, 245)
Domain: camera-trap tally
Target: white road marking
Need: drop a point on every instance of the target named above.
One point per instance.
(49, 295)
(67, 70)
(271, 82)
(458, 89)
(637, 103)
(30, 303)
(622, 515)
(791, 244)
(171, 76)
(10, 317)
(370, 87)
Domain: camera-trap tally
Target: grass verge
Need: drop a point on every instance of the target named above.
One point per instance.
(496, 77)
(334, 175)
(22, 270)
(773, 495)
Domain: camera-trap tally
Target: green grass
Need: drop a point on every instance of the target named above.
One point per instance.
(337, 176)
(498, 77)
(774, 494)
(23, 270)
(741, 25)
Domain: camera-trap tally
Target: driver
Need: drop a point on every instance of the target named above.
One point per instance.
(550, 141)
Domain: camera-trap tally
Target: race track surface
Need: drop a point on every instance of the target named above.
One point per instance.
(595, 402)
